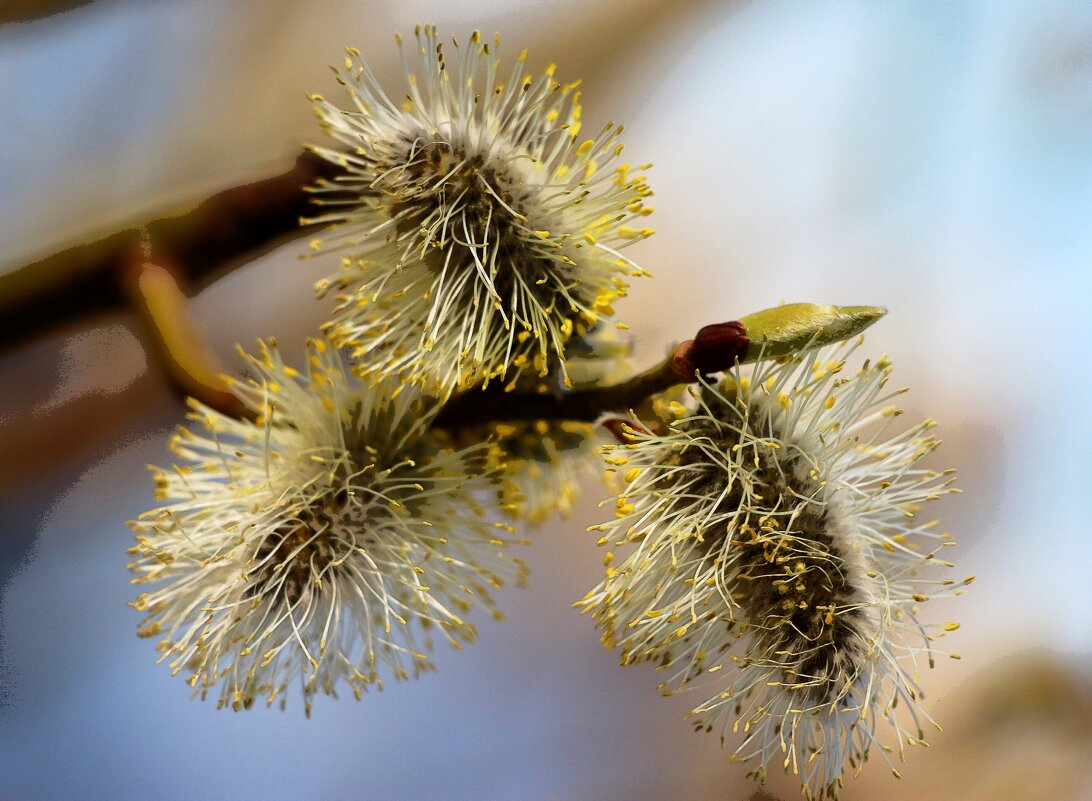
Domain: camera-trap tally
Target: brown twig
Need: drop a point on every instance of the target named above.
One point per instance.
(218, 234)
(714, 348)
(29, 10)
(494, 405)
(771, 333)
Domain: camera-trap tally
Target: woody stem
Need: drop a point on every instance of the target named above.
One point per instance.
(206, 240)
(494, 405)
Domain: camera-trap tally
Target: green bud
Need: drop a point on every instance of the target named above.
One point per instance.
(785, 330)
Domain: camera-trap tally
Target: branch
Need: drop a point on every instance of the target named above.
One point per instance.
(28, 10)
(215, 236)
(768, 334)
(162, 306)
(494, 405)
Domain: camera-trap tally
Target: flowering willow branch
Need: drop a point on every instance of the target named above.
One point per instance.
(212, 237)
(332, 533)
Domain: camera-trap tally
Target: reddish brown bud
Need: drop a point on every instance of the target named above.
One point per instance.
(716, 348)
(680, 361)
(622, 429)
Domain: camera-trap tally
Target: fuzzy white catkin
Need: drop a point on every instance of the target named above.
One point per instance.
(774, 554)
(480, 232)
(328, 541)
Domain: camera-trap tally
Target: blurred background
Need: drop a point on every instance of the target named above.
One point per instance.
(933, 157)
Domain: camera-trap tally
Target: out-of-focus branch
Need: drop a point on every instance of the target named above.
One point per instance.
(162, 306)
(27, 10)
(213, 237)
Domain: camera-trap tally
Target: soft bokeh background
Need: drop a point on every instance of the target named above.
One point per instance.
(935, 157)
